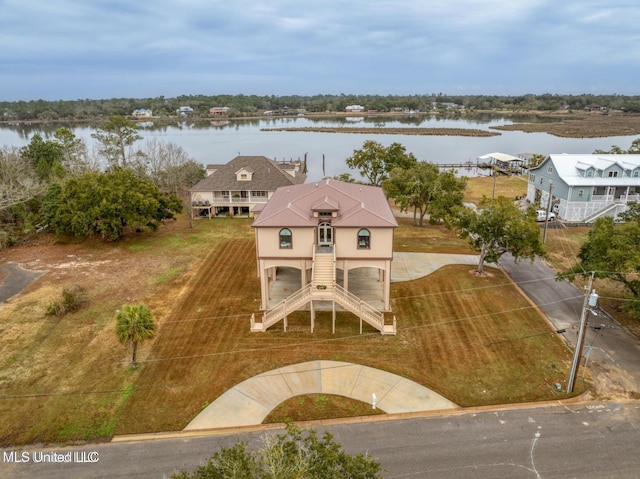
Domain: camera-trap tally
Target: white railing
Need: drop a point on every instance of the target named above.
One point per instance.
(620, 199)
(286, 306)
(364, 310)
(346, 299)
(225, 200)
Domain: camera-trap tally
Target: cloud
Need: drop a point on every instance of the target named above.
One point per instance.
(334, 46)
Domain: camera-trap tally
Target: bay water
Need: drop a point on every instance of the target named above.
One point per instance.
(217, 142)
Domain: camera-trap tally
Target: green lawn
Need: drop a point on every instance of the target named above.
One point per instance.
(474, 340)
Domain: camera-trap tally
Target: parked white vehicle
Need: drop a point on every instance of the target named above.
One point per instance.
(541, 215)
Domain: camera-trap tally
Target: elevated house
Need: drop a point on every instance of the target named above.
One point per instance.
(321, 229)
(585, 187)
(240, 185)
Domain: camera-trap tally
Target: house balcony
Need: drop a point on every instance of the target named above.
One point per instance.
(619, 199)
(230, 200)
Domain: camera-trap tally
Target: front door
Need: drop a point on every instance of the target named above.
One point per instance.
(325, 234)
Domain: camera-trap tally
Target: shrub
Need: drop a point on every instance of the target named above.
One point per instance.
(72, 299)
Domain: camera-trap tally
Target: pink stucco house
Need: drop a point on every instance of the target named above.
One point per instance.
(319, 229)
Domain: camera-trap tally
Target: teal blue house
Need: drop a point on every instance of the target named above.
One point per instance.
(585, 187)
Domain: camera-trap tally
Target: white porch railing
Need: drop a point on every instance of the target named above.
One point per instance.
(224, 200)
(619, 199)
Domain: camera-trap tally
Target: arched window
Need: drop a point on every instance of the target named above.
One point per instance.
(364, 239)
(285, 239)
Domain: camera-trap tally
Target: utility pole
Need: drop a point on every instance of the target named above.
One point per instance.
(546, 219)
(493, 194)
(590, 300)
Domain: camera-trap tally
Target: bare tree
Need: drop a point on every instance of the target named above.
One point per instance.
(167, 165)
(18, 179)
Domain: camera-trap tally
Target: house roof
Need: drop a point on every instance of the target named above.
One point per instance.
(570, 168)
(267, 176)
(504, 157)
(358, 206)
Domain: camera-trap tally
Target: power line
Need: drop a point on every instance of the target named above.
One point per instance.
(469, 343)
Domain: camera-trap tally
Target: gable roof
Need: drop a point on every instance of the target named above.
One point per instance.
(267, 176)
(357, 205)
(569, 167)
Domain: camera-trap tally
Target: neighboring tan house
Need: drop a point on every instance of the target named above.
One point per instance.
(318, 229)
(240, 185)
(585, 187)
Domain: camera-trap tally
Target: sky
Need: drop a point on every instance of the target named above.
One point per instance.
(77, 49)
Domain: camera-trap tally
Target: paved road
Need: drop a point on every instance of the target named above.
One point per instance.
(15, 279)
(596, 440)
(615, 352)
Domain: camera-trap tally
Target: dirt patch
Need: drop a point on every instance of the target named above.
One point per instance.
(484, 274)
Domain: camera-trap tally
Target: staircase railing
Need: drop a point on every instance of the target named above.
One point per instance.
(286, 306)
(334, 291)
(359, 307)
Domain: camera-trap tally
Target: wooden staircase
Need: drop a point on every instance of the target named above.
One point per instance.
(323, 269)
(323, 287)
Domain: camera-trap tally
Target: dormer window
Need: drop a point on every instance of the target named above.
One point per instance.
(244, 174)
(589, 173)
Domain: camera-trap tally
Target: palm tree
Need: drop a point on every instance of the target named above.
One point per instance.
(134, 324)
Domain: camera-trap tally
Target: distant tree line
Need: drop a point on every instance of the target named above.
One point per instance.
(247, 105)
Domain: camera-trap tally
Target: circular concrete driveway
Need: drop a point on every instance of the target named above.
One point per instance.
(249, 402)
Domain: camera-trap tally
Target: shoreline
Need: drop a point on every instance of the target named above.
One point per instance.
(563, 124)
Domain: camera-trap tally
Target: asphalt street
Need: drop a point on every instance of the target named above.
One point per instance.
(613, 349)
(596, 440)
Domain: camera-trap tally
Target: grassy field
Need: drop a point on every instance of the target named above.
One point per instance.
(507, 186)
(475, 340)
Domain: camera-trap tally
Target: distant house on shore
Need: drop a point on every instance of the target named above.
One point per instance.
(585, 187)
(184, 111)
(219, 111)
(354, 109)
(236, 188)
(142, 113)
